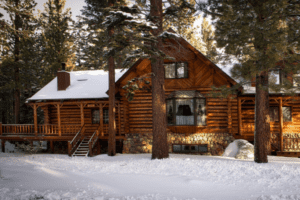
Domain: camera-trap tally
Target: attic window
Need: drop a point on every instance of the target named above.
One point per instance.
(176, 70)
(85, 79)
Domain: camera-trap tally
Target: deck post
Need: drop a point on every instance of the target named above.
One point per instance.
(98, 147)
(82, 114)
(119, 118)
(101, 118)
(58, 119)
(0, 128)
(51, 146)
(229, 116)
(240, 115)
(3, 146)
(35, 119)
(280, 125)
(69, 148)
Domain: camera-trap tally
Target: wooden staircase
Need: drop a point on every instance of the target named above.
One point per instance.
(83, 147)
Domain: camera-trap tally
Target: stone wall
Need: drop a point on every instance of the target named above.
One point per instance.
(142, 143)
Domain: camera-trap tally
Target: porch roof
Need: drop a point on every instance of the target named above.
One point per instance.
(90, 84)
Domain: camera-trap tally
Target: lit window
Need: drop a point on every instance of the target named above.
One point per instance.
(176, 70)
(287, 114)
(95, 117)
(186, 108)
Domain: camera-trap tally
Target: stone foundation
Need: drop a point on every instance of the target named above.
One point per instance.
(142, 143)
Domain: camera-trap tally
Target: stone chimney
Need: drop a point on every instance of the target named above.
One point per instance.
(63, 78)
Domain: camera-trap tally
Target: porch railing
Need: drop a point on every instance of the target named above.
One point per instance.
(42, 129)
(72, 145)
(291, 144)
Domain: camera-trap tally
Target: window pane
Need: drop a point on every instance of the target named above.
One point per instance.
(201, 112)
(170, 70)
(274, 77)
(181, 70)
(286, 112)
(95, 117)
(203, 148)
(176, 148)
(185, 148)
(184, 112)
(194, 148)
(274, 114)
(105, 116)
(170, 112)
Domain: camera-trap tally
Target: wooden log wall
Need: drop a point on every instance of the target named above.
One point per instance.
(71, 115)
(219, 116)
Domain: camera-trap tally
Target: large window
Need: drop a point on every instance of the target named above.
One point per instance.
(176, 70)
(286, 113)
(186, 108)
(96, 116)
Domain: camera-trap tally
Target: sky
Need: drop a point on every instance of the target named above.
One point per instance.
(75, 5)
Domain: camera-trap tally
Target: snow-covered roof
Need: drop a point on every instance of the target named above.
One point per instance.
(90, 84)
(251, 90)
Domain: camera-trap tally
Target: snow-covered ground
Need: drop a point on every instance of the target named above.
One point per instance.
(131, 177)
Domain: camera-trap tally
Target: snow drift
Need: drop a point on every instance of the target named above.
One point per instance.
(240, 149)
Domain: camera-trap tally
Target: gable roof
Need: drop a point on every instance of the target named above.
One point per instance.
(90, 84)
(182, 42)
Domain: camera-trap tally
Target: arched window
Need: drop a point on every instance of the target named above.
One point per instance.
(186, 108)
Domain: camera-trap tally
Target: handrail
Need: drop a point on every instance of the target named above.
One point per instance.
(71, 144)
(77, 134)
(93, 141)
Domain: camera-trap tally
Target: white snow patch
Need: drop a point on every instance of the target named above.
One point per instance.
(240, 149)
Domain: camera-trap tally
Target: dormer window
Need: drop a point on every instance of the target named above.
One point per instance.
(176, 70)
(186, 108)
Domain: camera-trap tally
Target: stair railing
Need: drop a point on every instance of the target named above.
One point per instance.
(93, 141)
(72, 144)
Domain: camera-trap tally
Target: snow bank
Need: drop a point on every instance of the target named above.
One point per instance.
(240, 149)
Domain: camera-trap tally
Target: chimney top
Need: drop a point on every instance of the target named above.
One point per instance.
(63, 66)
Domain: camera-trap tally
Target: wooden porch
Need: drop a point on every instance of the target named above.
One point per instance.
(282, 145)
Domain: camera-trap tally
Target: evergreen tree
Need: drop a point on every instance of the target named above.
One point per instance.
(208, 43)
(16, 31)
(258, 34)
(160, 147)
(57, 39)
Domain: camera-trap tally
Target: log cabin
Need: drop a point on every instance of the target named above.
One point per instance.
(75, 106)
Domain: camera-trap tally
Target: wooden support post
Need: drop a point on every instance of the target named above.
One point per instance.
(98, 147)
(51, 146)
(35, 119)
(101, 119)
(58, 119)
(0, 128)
(82, 114)
(240, 115)
(3, 146)
(280, 125)
(229, 116)
(119, 118)
(69, 148)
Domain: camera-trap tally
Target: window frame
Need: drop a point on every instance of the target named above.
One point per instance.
(186, 71)
(105, 121)
(291, 113)
(190, 151)
(193, 111)
(93, 116)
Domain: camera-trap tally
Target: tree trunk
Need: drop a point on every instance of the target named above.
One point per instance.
(16, 67)
(262, 145)
(160, 148)
(111, 111)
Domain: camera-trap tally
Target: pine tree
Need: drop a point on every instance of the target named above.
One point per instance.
(258, 34)
(160, 147)
(208, 43)
(57, 39)
(18, 29)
